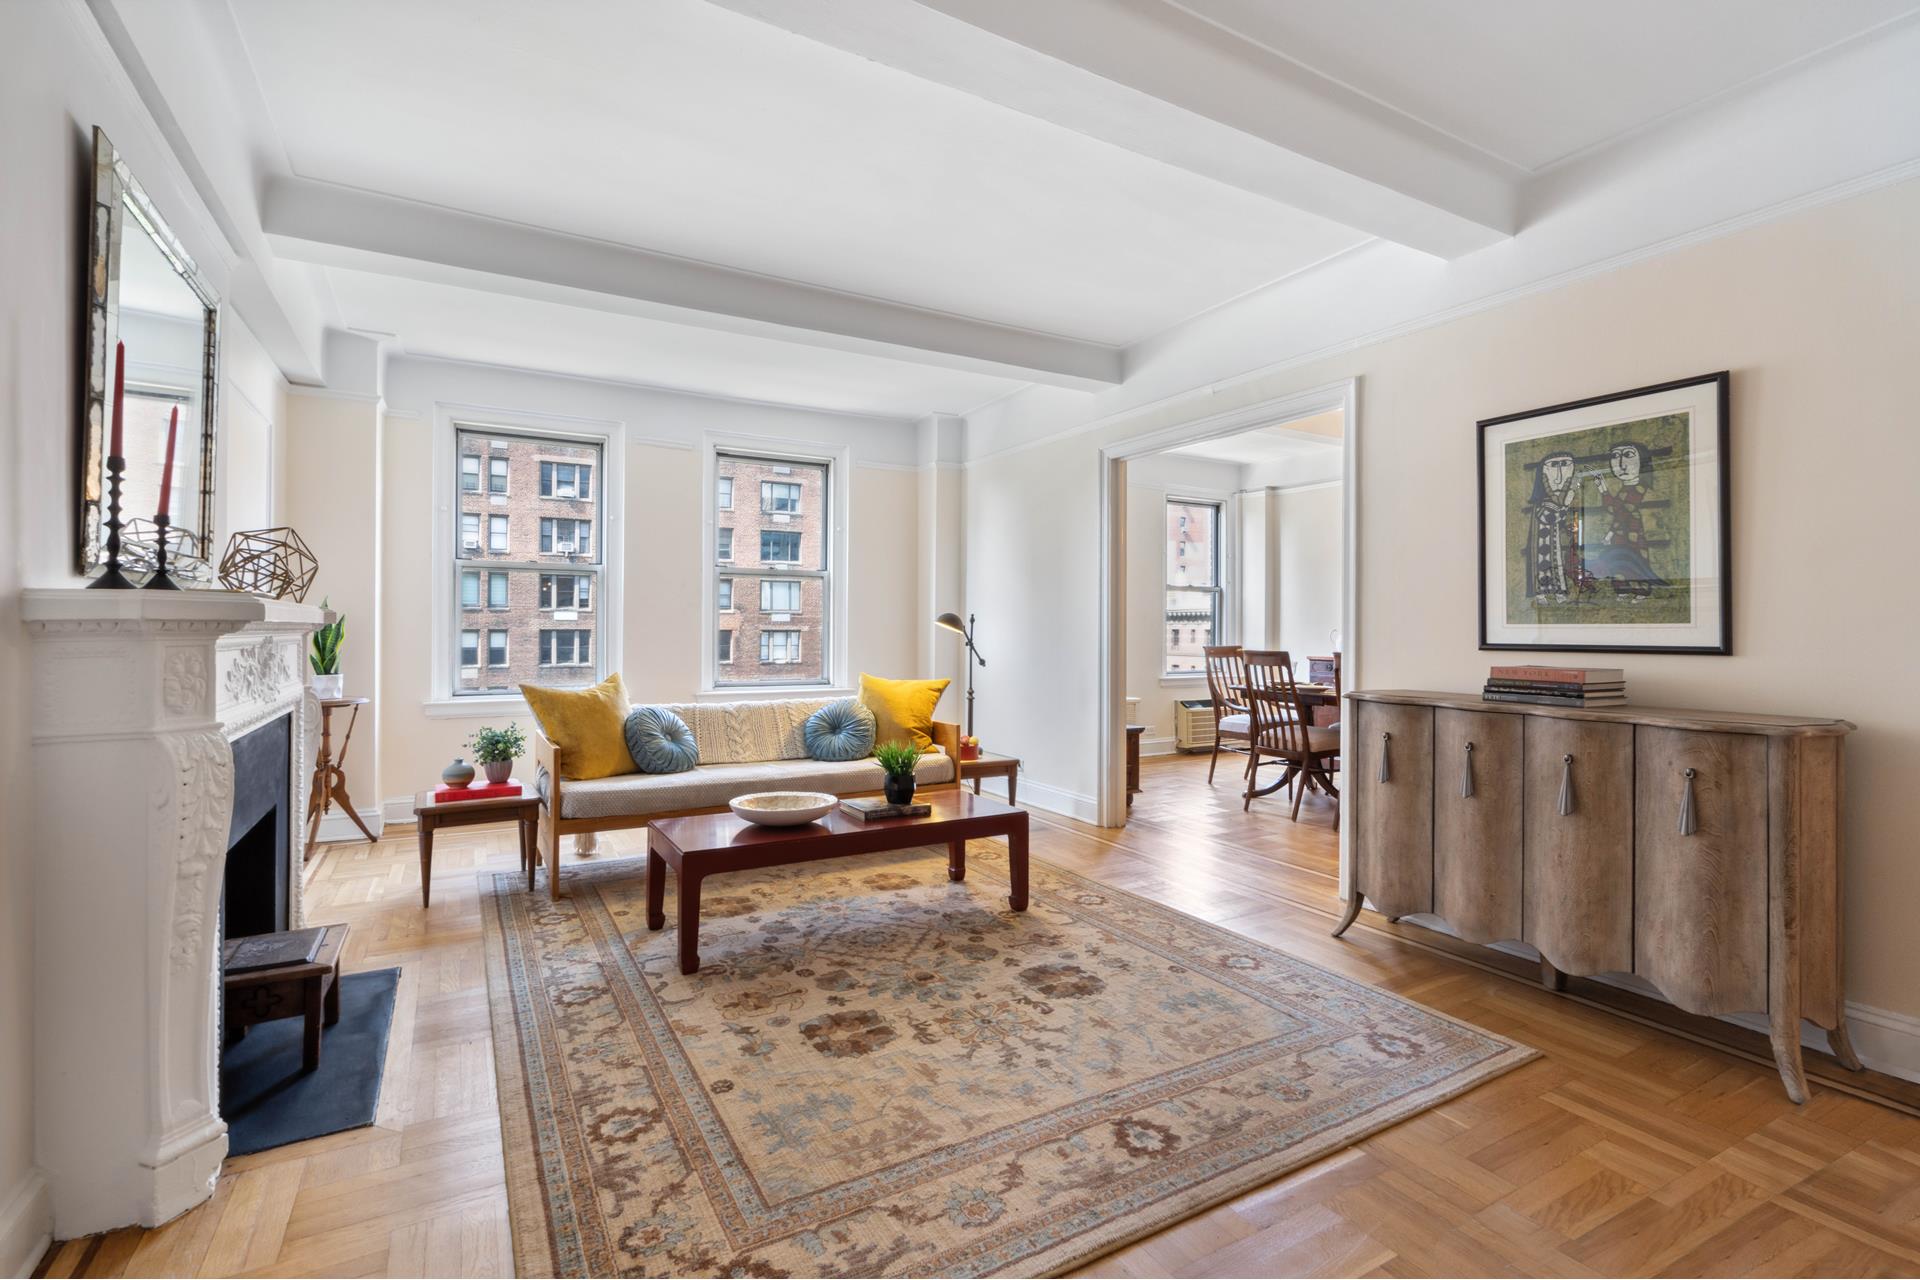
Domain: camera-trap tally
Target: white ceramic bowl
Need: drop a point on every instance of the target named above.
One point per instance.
(783, 808)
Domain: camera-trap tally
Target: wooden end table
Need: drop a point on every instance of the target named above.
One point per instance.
(989, 766)
(707, 844)
(523, 808)
(310, 989)
(330, 774)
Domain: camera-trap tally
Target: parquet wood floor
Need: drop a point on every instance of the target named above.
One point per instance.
(1624, 1150)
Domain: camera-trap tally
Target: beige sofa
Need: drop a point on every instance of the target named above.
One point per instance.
(744, 747)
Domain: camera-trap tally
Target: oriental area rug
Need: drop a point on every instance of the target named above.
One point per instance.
(880, 1072)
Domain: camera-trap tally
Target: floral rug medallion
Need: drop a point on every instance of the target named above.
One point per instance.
(880, 1072)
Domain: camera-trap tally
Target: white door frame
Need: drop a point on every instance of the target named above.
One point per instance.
(1343, 396)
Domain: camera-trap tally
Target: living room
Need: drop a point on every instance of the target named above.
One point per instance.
(695, 523)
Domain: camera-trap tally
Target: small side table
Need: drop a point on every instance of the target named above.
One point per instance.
(988, 766)
(1133, 761)
(310, 990)
(523, 809)
(330, 774)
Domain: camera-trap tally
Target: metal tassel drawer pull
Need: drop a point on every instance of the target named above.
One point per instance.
(1566, 785)
(1385, 738)
(1687, 824)
(1466, 774)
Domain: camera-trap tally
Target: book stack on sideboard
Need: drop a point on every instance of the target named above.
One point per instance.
(1556, 686)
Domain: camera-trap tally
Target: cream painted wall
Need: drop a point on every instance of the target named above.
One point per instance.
(661, 627)
(1311, 522)
(1815, 313)
(333, 460)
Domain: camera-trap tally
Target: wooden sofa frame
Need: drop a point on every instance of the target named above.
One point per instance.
(552, 826)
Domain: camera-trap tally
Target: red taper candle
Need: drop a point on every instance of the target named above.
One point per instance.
(119, 394)
(166, 472)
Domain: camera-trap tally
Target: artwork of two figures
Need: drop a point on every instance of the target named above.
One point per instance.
(1598, 524)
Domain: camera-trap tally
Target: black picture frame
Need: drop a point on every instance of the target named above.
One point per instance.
(1722, 643)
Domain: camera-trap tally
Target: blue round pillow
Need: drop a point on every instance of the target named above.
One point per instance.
(660, 741)
(840, 730)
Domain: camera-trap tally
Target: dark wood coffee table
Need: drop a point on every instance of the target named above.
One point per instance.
(707, 844)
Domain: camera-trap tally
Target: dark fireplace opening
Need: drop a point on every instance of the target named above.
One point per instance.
(256, 895)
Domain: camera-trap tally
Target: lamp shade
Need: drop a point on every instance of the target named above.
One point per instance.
(951, 621)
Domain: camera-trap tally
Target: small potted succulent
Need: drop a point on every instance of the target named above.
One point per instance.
(325, 658)
(497, 749)
(897, 759)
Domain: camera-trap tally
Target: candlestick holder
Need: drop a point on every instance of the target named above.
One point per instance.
(161, 579)
(113, 579)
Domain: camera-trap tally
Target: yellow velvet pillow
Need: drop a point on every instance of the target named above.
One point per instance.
(589, 726)
(903, 709)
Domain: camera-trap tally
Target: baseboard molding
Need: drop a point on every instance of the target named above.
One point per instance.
(336, 827)
(1157, 747)
(26, 1225)
(1886, 1041)
(398, 809)
(1039, 795)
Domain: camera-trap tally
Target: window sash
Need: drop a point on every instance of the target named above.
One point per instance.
(469, 588)
(785, 557)
(469, 648)
(1213, 590)
(723, 545)
(784, 653)
(498, 586)
(470, 473)
(780, 497)
(723, 499)
(723, 646)
(497, 647)
(496, 475)
(771, 538)
(774, 589)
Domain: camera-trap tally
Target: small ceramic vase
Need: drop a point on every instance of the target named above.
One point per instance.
(899, 788)
(498, 770)
(457, 774)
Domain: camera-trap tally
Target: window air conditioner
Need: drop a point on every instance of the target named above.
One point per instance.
(563, 548)
(470, 542)
(1193, 724)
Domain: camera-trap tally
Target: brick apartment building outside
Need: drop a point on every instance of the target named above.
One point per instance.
(1193, 561)
(770, 585)
(528, 544)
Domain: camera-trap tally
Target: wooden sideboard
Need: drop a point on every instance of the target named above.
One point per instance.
(1698, 850)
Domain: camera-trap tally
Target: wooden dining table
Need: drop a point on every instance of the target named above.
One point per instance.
(1315, 699)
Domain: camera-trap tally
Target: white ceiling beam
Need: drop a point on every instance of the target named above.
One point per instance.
(1154, 79)
(331, 225)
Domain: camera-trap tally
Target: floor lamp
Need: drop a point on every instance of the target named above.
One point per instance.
(951, 621)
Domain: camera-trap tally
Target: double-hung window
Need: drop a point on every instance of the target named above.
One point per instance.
(777, 552)
(1194, 599)
(572, 480)
(537, 591)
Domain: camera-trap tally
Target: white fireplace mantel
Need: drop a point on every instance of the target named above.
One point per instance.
(136, 698)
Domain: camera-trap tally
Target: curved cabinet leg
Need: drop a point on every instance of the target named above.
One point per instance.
(1841, 1042)
(1352, 912)
(1551, 978)
(1786, 1054)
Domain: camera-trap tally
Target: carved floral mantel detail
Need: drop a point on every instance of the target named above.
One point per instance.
(137, 698)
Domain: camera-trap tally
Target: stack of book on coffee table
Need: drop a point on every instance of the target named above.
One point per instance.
(1557, 686)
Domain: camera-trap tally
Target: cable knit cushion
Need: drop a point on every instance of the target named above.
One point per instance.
(743, 732)
(660, 741)
(840, 730)
(711, 786)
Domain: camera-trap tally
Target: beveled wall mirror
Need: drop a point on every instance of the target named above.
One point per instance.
(143, 290)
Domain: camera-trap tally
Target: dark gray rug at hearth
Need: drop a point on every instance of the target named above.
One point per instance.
(266, 1100)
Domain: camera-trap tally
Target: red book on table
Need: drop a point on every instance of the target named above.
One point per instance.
(478, 791)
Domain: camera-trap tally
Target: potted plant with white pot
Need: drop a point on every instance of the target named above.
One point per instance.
(497, 749)
(327, 639)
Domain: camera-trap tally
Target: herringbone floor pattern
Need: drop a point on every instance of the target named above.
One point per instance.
(1625, 1150)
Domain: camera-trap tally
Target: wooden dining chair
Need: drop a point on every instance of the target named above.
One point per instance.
(1226, 675)
(1283, 733)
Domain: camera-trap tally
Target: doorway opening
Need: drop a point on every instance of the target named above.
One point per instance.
(1238, 528)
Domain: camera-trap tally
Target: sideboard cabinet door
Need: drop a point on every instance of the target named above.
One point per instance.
(1477, 761)
(1578, 843)
(1700, 868)
(1389, 766)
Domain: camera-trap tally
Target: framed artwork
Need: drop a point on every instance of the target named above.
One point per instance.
(1604, 523)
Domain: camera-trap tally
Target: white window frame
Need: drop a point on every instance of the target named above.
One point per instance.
(464, 633)
(795, 649)
(504, 526)
(498, 467)
(474, 575)
(1223, 512)
(449, 418)
(767, 581)
(767, 506)
(727, 659)
(728, 557)
(500, 576)
(838, 459)
(506, 641)
(478, 472)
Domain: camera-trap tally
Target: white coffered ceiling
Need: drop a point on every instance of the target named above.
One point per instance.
(907, 206)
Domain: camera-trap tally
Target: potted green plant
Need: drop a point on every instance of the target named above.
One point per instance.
(897, 759)
(497, 749)
(327, 680)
